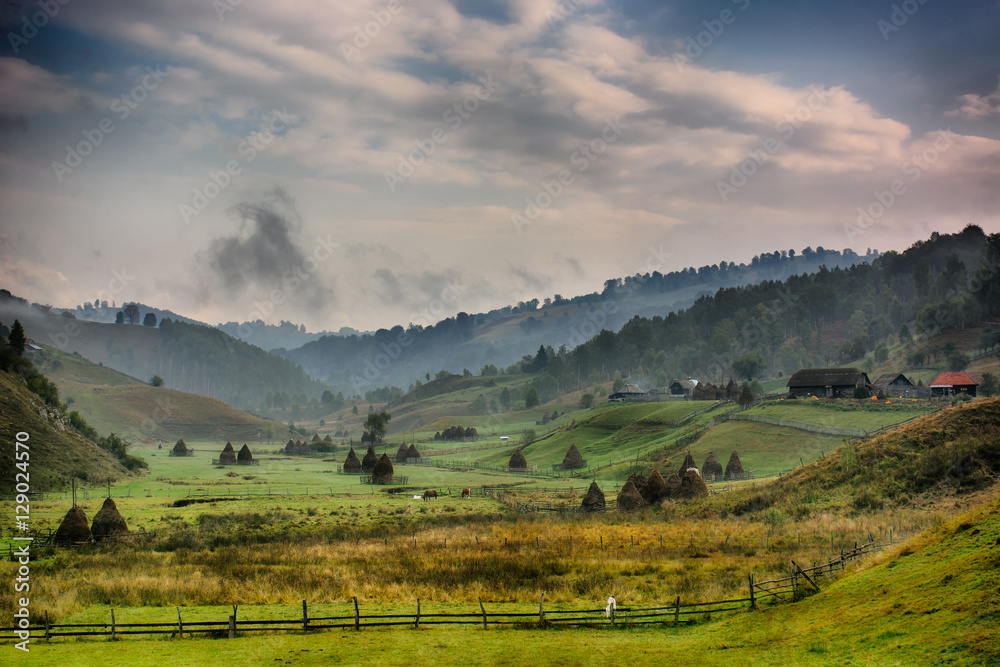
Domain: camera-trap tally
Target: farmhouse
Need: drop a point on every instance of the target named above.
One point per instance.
(894, 384)
(630, 392)
(827, 382)
(682, 387)
(952, 384)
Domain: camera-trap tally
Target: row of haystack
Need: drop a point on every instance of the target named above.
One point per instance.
(734, 469)
(328, 440)
(639, 491)
(457, 433)
(297, 448)
(108, 524)
(380, 468)
(404, 453)
(546, 418)
(230, 457)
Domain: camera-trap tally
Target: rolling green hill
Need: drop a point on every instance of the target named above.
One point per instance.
(112, 401)
(56, 453)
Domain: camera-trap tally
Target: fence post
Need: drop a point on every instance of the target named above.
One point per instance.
(180, 624)
(46, 625)
(357, 616)
(482, 609)
(113, 637)
(753, 601)
(416, 623)
(541, 610)
(232, 626)
(305, 616)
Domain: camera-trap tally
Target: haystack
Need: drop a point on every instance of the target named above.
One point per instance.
(74, 529)
(401, 453)
(692, 486)
(328, 440)
(517, 461)
(244, 457)
(629, 498)
(688, 463)
(639, 481)
(108, 522)
(290, 447)
(572, 458)
(412, 452)
(351, 463)
(673, 483)
(732, 390)
(180, 449)
(734, 469)
(712, 466)
(656, 488)
(227, 457)
(593, 501)
(316, 437)
(371, 458)
(382, 472)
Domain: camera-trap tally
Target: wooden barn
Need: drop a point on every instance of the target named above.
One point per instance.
(827, 382)
(894, 384)
(630, 392)
(952, 384)
(682, 387)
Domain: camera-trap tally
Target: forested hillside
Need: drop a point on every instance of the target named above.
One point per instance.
(358, 364)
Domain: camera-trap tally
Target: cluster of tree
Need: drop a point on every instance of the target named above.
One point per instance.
(457, 433)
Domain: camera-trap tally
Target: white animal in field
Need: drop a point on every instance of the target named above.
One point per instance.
(610, 609)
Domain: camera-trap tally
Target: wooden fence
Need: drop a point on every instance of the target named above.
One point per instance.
(761, 593)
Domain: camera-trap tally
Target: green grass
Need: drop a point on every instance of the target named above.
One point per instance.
(866, 415)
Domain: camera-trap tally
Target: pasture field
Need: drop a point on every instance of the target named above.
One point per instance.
(867, 415)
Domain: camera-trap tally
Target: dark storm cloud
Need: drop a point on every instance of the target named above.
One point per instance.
(264, 254)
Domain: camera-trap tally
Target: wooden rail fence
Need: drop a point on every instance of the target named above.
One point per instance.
(761, 593)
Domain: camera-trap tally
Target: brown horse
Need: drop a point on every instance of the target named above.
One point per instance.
(466, 492)
(430, 493)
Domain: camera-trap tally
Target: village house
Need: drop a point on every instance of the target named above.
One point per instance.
(894, 384)
(682, 387)
(827, 382)
(952, 384)
(630, 392)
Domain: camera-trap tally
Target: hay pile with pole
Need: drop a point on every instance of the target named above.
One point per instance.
(712, 466)
(692, 486)
(734, 469)
(656, 487)
(639, 480)
(228, 455)
(108, 522)
(517, 461)
(180, 449)
(673, 483)
(412, 452)
(371, 458)
(401, 453)
(688, 463)
(74, 529)
(629, 498)
(244, 457)
(382, 472)
(290, 446)
(593, 500)
(351, 463)
(573, 459)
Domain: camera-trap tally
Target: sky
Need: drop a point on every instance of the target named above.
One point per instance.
(366, 164)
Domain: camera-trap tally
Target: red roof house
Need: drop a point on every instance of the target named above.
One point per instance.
(950, 384)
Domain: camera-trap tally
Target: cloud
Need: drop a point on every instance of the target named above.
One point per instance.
(978, 106)
(264, 257)
(29, 89)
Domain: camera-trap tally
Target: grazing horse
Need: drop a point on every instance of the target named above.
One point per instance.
(466, 492)
(430, 493)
